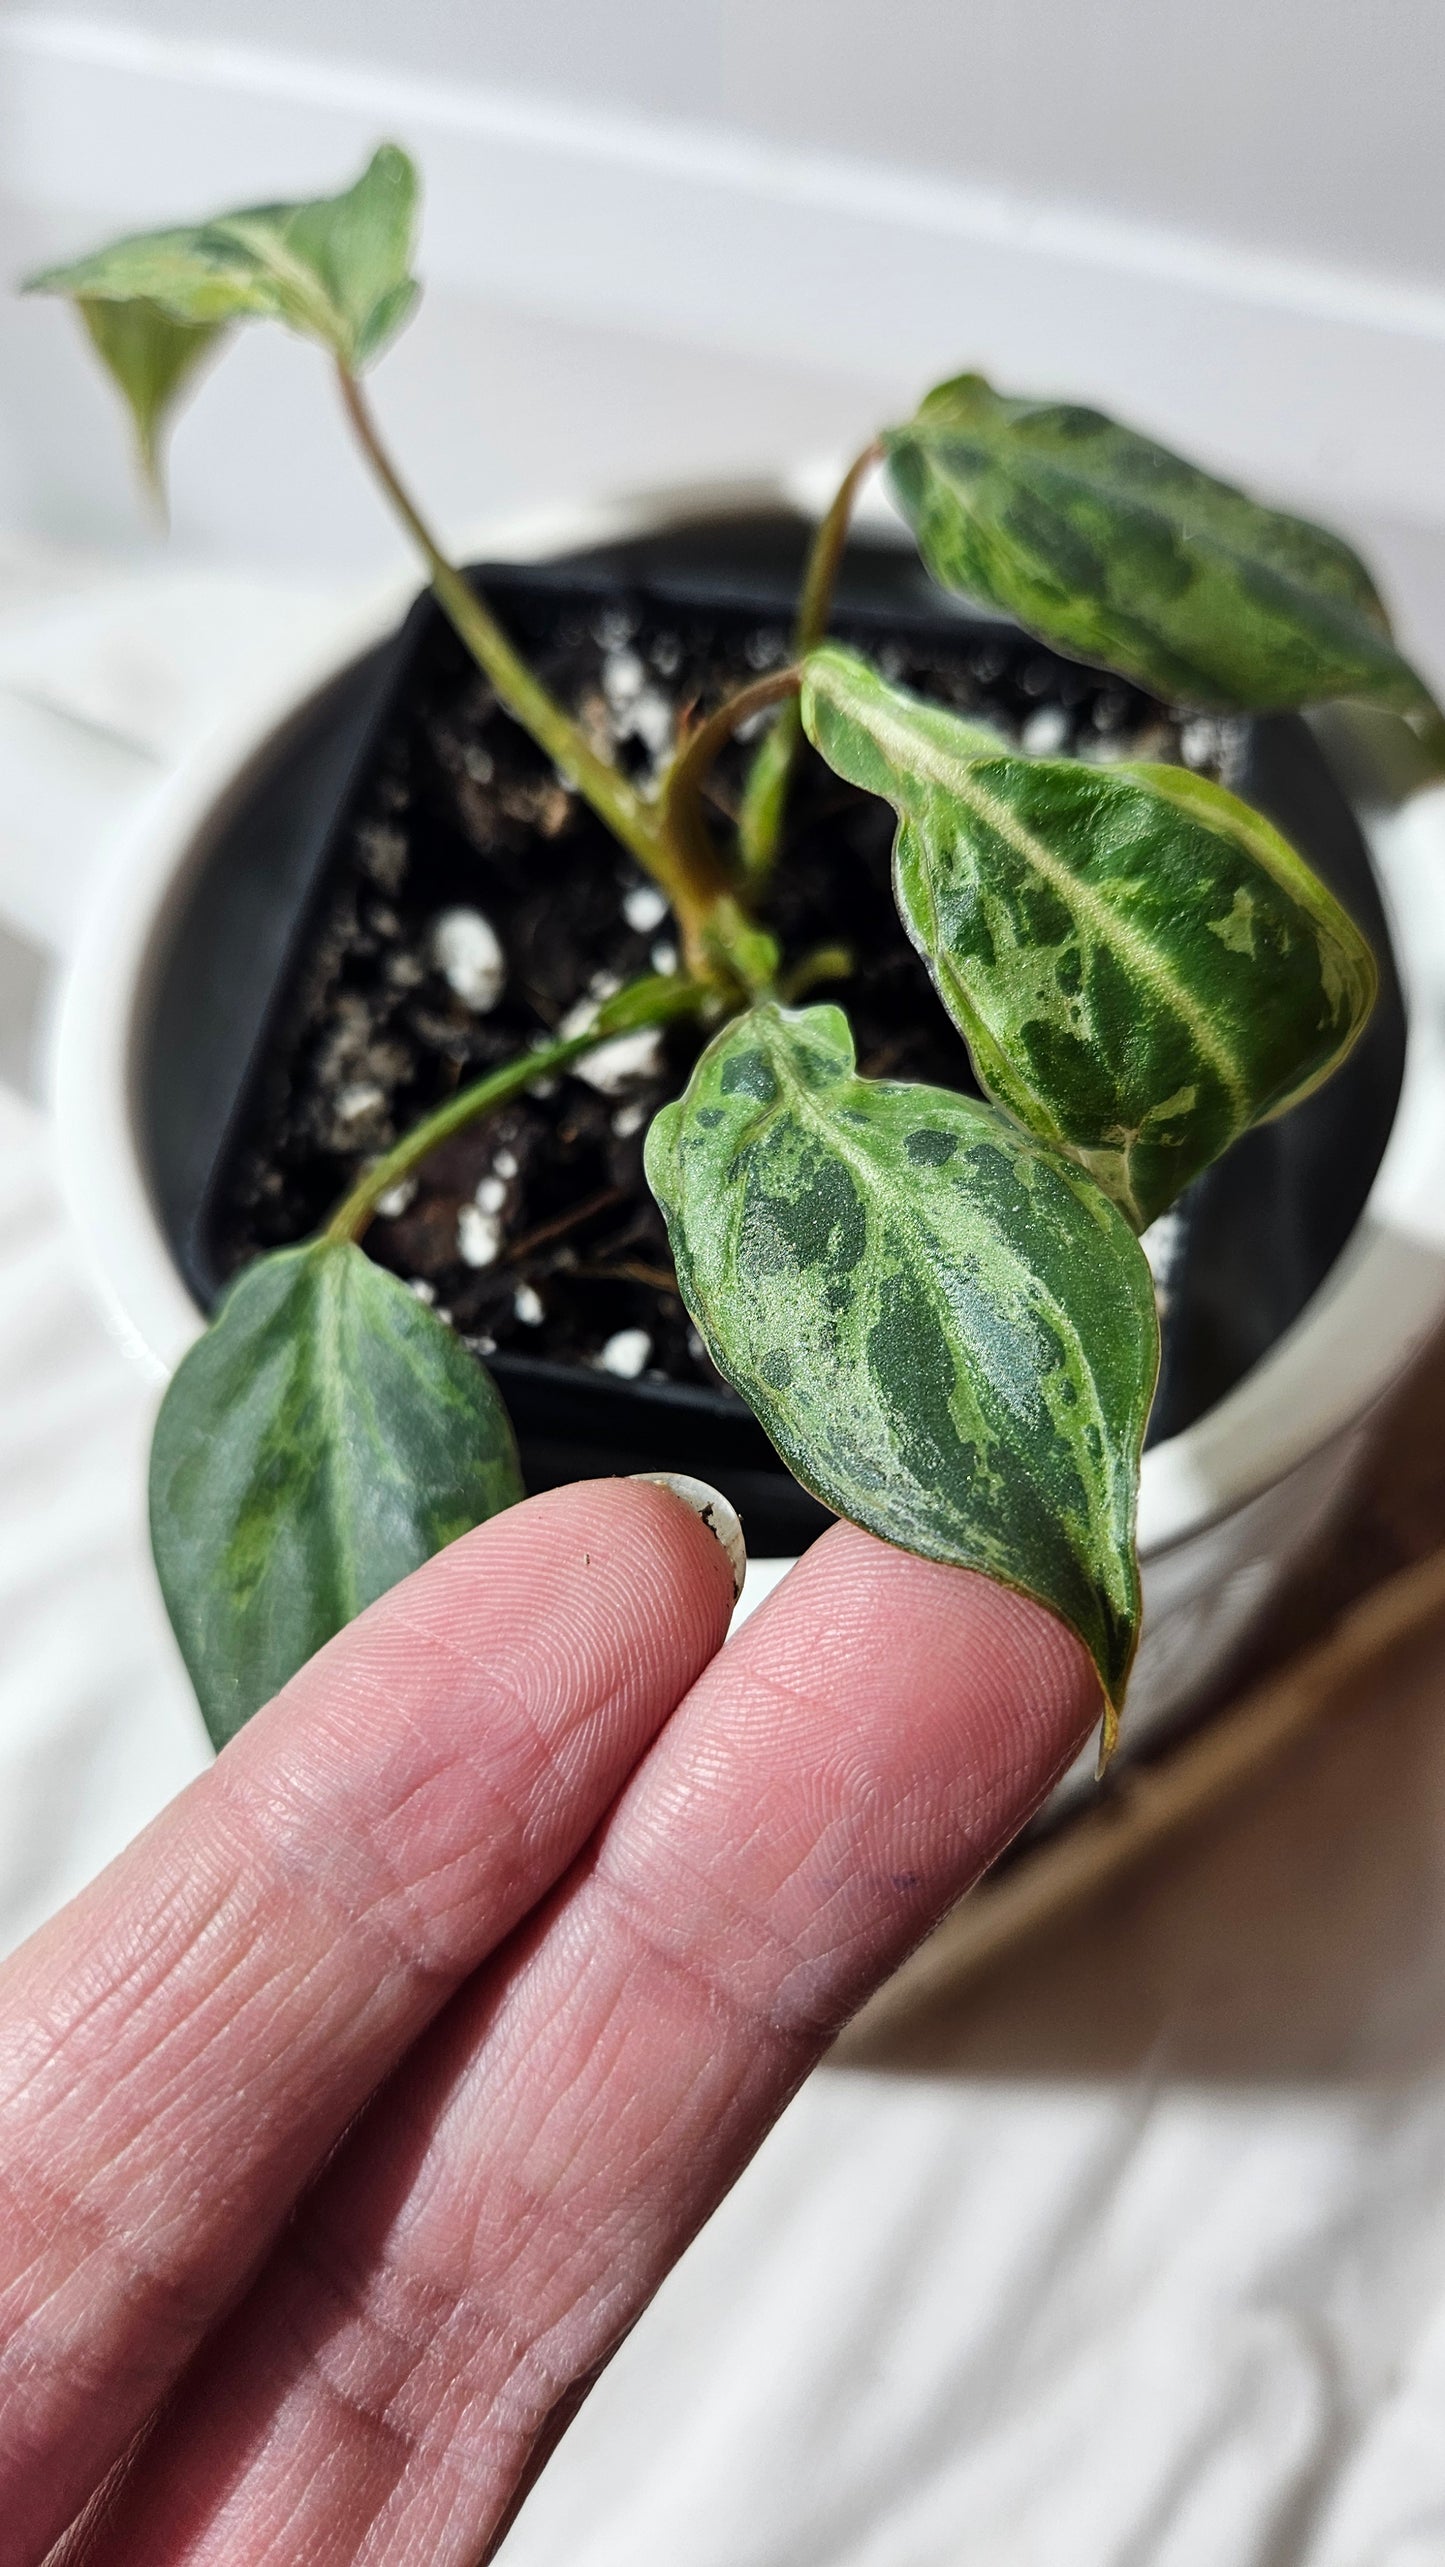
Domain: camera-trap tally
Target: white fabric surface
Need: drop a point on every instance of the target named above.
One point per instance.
(97, 1726)
(106, 677)
(1140, 2263)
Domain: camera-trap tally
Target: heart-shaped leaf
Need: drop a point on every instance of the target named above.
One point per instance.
(1140, 964)
(152, 358)
(948, 1332)
(1121, 553)
(324, 1437)
(336, 269)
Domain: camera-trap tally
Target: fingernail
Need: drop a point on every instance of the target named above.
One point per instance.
(721, 1519)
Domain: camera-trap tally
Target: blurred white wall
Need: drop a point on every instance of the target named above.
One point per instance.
(1311, 126)
(710, 235)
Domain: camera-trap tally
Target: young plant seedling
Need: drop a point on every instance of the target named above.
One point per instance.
(938, 1307)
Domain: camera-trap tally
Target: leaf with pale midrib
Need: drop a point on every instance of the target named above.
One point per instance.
(336, 269)
(948, 1331)
(325, 1436)
(1123, 554)
(1140, 964)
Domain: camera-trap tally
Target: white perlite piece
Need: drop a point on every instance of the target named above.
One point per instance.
(639, 711)
(629, 1119)
(479, 1236)
(362, 1097)
(505, 1163)
(614, 627)
(652, 721)
(1202, 742)
(527, 1306)
(613, 1065)
(623, 678)
(626, 1354)
(1045, 732)
(644, 908)
(397, 1199)
(491, 1194)
(467, 952)
(1163, 1244)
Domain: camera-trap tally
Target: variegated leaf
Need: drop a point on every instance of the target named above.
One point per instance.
(324, 1437)
(948, 1332)
(1140, 964)
(1121, 553)
(336, 268)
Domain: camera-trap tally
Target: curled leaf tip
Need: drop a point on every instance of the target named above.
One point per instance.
(336, 269)
(154, 362)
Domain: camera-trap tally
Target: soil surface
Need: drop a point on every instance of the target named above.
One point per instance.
(470, 901)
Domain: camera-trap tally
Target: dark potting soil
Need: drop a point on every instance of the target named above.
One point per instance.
(534, 1232)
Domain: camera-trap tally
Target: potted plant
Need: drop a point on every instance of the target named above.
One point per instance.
(935, 1302)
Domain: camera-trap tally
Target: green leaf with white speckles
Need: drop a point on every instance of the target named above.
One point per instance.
(1140, 964)
(325, 1436)
(1121, 553)
(336, 268)
(948, 1331)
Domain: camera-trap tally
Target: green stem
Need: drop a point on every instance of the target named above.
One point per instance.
(644, 1003)
(730, 937)
(615, 801)
(760, 825)
(815, 606)
(682, 814)
(825, 963)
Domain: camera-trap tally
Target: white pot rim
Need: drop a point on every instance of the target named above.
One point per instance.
(1381, 1301)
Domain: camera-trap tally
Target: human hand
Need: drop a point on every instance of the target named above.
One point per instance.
(350, 2118)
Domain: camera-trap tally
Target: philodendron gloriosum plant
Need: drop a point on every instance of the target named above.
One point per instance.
(938, 1308)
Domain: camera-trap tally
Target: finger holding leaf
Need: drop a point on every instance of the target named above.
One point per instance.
(948, 1332)
(938, 1308)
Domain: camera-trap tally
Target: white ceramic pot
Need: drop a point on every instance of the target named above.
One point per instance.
(1226, 1508)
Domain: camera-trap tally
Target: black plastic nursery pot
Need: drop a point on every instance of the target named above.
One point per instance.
(405, 895)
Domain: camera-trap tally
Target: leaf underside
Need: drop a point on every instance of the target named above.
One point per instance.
(948, 1332)
(1121, 553)
(1140, 964)
(324, 1437)
(152, 359)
